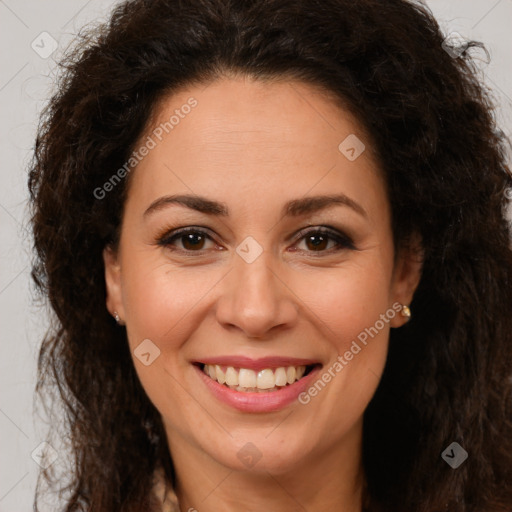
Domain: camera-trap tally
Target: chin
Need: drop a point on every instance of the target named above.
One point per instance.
(258, 453)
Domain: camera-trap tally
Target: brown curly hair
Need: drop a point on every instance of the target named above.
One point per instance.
(448, 375)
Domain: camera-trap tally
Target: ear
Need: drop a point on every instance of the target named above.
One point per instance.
(113, 282)
(406, 276)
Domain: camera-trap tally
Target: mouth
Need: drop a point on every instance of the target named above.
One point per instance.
(247, 380)
(257, 386)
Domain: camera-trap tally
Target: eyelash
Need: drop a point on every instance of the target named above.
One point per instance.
(343, 241)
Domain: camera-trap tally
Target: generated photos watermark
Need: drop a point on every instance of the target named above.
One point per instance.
(151, 142)
(343, 360)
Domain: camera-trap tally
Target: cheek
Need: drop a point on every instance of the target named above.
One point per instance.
(164, 304)
(347, 301)
(160, 298)
(353, 312)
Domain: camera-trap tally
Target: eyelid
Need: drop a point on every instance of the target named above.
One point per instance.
(335, 234)
(174, 234)
(342, 239)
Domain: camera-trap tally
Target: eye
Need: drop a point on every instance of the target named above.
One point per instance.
(322, 239)
(191, 239)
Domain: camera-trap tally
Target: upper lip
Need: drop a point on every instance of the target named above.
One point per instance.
(257, 364)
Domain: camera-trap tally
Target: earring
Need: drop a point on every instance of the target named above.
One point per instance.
(116, 317)
(406, 312)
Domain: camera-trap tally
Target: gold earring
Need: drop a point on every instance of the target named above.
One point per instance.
(406, 312)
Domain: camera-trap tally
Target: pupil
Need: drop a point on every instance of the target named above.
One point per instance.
(320, 241)
(194, 239)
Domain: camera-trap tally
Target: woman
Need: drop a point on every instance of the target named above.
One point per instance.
(273, 235)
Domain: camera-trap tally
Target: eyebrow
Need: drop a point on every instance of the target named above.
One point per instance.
(293, 208)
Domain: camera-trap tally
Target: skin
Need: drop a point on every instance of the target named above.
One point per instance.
(254, 146)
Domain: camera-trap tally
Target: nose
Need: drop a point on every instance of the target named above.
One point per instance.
(256, 300)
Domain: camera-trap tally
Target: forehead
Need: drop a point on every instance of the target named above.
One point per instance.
(249, 135)
(273, 114)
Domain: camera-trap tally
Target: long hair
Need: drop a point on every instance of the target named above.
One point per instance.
(448, 377)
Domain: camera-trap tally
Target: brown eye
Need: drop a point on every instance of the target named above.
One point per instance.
(317, 242)
(325, 240)
(190, 239)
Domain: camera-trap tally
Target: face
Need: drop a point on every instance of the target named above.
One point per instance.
(255, 249)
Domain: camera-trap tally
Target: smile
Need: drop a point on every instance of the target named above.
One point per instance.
(257, 386)
(247, 380)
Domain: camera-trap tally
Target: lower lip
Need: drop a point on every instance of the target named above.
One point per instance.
(258, 402)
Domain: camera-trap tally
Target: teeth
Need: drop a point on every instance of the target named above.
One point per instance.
(231, 376)
(247, 378)
(221, 376)
(266, 379)
(244, 379)
(280, 374)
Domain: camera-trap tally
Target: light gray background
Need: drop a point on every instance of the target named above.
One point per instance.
(26, 81)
